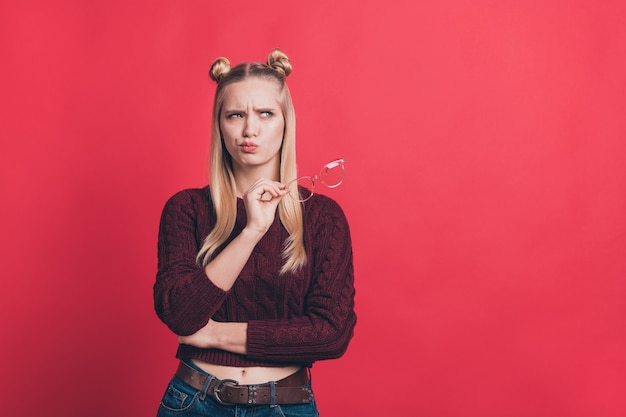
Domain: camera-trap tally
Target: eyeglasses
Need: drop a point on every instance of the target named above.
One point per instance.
(331, 175)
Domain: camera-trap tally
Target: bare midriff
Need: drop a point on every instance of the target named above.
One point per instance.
(247, 375)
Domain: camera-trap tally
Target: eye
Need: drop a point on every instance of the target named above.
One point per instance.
(267, 113)
(234, 115)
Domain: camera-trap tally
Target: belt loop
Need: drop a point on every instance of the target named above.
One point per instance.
(272, 394)
(205, 387)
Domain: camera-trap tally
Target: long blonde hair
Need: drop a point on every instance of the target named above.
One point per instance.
(223, 187)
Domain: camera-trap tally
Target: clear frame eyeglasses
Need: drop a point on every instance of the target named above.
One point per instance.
(331, 175)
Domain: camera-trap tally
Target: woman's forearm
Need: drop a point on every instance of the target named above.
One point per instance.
(232, 337)
(229, 336)
(224, 269)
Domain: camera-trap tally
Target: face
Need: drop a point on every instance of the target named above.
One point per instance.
(252, 123)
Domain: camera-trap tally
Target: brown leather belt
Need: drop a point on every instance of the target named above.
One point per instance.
(290, 390)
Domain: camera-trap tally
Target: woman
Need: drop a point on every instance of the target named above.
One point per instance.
(256, 284)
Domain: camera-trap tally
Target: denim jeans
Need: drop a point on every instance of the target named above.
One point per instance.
(182, 400)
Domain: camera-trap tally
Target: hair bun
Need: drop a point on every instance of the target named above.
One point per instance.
(219, 69)
(279, 62)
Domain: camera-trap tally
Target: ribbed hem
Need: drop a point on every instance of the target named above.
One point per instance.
(221, 357)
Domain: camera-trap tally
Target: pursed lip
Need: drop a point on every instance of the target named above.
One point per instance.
(248, 146)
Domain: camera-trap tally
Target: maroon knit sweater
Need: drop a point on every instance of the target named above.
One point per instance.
(294, 318)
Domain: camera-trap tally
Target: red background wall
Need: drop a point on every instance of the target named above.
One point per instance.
(486, 192)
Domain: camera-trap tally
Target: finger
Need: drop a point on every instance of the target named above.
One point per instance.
(267, 190)
(267, 196)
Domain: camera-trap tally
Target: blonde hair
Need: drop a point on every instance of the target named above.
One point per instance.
(223, 187)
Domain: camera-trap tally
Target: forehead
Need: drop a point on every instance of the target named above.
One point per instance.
(251, 91)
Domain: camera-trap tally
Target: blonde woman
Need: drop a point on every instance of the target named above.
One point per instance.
(256, 282)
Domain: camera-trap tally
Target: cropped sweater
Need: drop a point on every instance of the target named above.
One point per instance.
(293, 319)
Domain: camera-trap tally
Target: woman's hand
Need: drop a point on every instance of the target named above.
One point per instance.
(203, 338)
(226, 336)
(261, 201)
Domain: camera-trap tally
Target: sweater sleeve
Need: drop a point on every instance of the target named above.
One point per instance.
(326, 327)
(184, 297)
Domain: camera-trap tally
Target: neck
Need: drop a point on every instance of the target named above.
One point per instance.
(246, 176)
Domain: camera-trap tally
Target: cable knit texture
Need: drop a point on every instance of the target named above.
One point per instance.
(292, 318)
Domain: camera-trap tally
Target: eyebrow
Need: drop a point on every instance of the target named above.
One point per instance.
(243, 109)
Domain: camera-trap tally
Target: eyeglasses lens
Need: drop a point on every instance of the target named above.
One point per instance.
(332, 174)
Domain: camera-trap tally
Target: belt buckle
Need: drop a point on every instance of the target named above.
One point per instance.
(220, 384)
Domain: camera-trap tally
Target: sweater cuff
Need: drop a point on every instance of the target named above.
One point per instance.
(207, 288)
(206, 295)
(256, 340)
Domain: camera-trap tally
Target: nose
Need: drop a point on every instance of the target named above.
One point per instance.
(250, 127)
